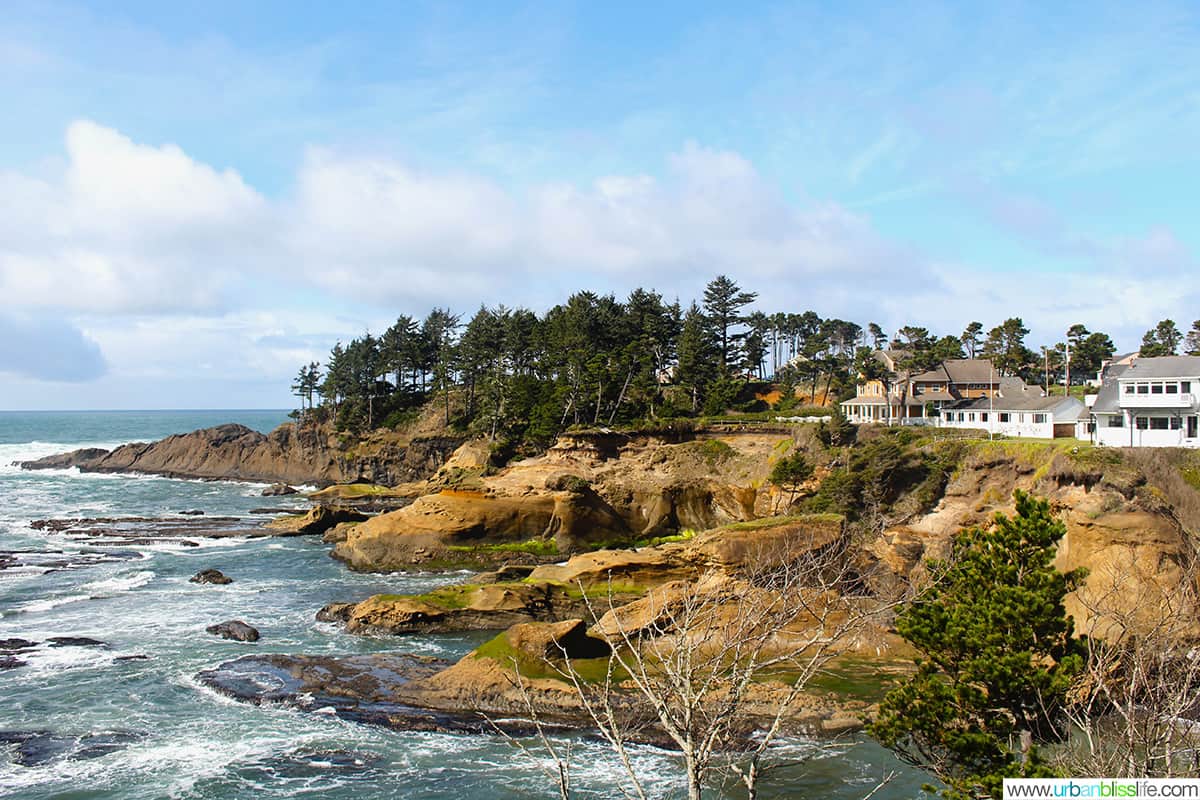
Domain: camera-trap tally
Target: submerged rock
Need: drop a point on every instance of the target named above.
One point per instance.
(213, 576)
(16, 645)
(34, 748)
(235, 630)
(279, 490)
(75, 641)
(11, 662)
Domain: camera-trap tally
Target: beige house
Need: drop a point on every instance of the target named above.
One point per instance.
(902, 398)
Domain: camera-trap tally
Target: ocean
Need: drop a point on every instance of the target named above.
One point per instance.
(91, 722)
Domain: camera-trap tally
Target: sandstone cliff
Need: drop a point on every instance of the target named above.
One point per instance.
(586, 491)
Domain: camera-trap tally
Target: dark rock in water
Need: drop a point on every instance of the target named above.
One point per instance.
(316, 521)
(352, 686)
(10, 662)
(302, 764)
(16, 645)
(75, 641)
(279, 490)
(138, 657)
(195, 512)
(103, 531)
(276, 510)
(76, 458)
(234, 629)
(34, 748)
(54, 560)
(336, 612)
(214, 576)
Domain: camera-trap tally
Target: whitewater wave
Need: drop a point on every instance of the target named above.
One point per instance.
(96, 590)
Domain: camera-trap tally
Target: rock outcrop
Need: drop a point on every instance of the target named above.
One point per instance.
(315, 522)
(586, 491)
(290, 454)
(591, 583)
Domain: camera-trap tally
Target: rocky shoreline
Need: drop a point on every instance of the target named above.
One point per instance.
(599, 515)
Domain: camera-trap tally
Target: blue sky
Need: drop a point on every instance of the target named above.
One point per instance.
(196, 198)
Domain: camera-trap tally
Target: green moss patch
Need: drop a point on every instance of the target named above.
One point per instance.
(536, 547)
(589, 670)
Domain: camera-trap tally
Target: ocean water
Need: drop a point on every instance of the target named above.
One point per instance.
(114, 728)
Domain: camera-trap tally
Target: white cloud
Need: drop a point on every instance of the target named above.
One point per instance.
(125, 227)
(163, 255)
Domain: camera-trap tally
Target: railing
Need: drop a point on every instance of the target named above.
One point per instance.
(1182, 400)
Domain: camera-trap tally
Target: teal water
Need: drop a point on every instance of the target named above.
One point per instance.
(179, 740)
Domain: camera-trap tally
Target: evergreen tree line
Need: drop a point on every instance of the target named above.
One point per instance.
(598, 360)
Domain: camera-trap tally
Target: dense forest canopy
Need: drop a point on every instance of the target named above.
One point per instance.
(599, 360)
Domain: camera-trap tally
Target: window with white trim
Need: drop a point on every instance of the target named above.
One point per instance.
(1039, 419)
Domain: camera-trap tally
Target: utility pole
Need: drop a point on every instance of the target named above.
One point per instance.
(1068, 365)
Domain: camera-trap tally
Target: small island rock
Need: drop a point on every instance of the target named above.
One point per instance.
(214, 576)
(235, 630)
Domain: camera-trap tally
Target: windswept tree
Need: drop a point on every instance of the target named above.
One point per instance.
(1161, 340)
(997, 657)
(1089, 353)
(307, 382)
(1005, 346)
(972, 341)
(723, 304)
(876, 336)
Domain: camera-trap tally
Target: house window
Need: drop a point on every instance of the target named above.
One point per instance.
(1176, 423)
(1185, 386)
(971, 416)
(1158, 423)
(1172, 388)
(1005, 416)
(960, 416)
(1039, 418)
(1156, 388)
(1129, 388)
(1141, 423)
(983, 416)
(1020, 418)
(1143, 388)
(1116, 422)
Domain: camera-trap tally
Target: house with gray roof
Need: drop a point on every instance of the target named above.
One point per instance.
(917, 398)
(1149, 402)
(1017, 411)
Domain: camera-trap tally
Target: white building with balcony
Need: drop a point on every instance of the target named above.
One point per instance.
(1151, 402)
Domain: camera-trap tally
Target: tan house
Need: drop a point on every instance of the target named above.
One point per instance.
(916, 399)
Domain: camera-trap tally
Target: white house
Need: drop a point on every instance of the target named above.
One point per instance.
(1151, 402)
(1025, 413)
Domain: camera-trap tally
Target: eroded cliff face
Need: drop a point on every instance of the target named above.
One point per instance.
(586, 491)
(1135, 547)
(292, 453)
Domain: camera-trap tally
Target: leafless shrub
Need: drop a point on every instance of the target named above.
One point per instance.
(717, 668)
(1136, 705)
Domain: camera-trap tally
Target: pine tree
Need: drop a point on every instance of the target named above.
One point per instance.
(997, 657)
(723, 302)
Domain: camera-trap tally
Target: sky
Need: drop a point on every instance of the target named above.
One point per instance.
(196, 199)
